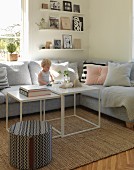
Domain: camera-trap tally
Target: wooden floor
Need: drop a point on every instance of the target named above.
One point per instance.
(122, 161)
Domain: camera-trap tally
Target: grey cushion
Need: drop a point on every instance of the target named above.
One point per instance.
(73, 71)
(132, 72)
(17, 73)
(2, 98)
(34, 68)
(118, 74)
(3, 78)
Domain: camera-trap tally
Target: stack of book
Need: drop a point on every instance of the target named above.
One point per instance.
(33, 91)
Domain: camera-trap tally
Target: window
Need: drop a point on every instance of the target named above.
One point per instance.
(10, 25)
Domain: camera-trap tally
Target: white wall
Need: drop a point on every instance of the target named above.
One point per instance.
(110, 29)
(107, 31)
(38, 38)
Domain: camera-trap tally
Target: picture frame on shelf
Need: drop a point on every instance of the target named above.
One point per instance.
(54, 5)
(76, 43)
(44, 6)
(65, 23)
(76, 8)
(67, 6)
(53, 23)
(57, 44)
(77, 23)
(67, 41)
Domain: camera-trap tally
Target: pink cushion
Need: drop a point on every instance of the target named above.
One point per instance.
(96, 74)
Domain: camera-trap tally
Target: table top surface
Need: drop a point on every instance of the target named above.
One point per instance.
(56, 92)
(56, 89)
(19, 97)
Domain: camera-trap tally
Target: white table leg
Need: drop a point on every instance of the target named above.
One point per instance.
(20, 111)
(44, 110)
(40, 110)
(62, 114)
(7, 112)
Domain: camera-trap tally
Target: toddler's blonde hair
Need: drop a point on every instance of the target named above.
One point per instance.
(45, 62)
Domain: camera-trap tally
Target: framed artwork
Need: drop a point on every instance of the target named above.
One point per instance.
(44, 6)
(76, 8)
(53, 23)
(57, 44)
(67, 41)
(77, 43)
(55, 5)
(65, 23)
(67, 6)
(77, 23)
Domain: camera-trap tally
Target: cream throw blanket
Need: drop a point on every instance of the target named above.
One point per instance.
(117, 96)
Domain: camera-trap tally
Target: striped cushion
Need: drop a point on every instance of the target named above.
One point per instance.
(84, 72)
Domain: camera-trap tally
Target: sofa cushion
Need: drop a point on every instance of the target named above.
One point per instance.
(132, 72)
(3, 78)
(17, 73)
(11, 88)
(73, 71)
(57, 70)
(2, 98)
(94, 93)
(118, 74)
(84, 71)
(96, 74)
(34, 68)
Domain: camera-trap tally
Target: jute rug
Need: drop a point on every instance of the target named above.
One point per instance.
(81, 149)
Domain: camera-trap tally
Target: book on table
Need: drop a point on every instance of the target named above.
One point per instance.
(33, 91)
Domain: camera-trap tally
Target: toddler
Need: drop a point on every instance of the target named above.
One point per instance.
(44, 77)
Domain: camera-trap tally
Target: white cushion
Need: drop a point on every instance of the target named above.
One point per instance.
(57, 70)
(118, 74)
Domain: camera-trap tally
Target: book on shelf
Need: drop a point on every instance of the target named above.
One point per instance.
(33, 91)
(77, 43)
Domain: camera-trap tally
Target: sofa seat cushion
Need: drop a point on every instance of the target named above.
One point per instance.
(2, 98)
(94, 93)
(12, 88)
(17, 73)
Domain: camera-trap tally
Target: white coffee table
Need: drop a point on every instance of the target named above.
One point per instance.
(63, 92)
(22, 99)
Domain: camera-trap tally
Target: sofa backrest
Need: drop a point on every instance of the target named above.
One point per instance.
(17, 72)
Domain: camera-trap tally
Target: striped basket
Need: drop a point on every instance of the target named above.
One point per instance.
(30, 144)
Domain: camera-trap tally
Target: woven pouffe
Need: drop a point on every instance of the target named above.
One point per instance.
(30, 144)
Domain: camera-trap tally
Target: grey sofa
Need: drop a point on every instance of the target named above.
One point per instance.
(25, 73)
